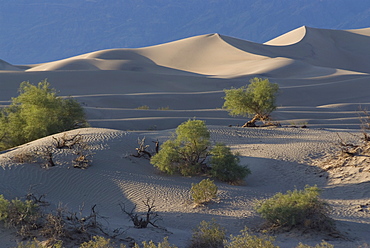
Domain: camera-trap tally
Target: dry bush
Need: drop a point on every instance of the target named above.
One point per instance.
(100, 242)
(67, 141)
(323, 244)
(143, 220)
(246, 240)
(204, 191)
(297, 209)
(24, 216)
(208, 235)
(83, 157)
(24, 157)
(54, 227)
(151, 244)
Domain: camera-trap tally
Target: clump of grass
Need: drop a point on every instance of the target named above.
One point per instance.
(208, 235)
(246, 240)
(100, 242)
(323, 244)
(151, 244)
(297, 208)
(164, 108)
(144, 107)
(204, 191)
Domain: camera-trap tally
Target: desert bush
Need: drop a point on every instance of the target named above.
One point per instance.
(151, 244)
(24, 157)
(164, 108)
(186, 152)
(144, 107)
(38, 112)
(246, 240)
(204, 191)
(22, 215)
(208, 235)
(298, 208)
(143, 220)
(257, 99)
(225, 165)
(37, 244)
(99, 242)
(323, 244)
(54, 227)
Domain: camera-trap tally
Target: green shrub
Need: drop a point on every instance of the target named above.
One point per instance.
(258, 99)
(225, 165)
(323, 244)
(204, 191)
(99, 242)
(23, 215)
(208, 235)
(298, 208)
(186, 151)
(151, 244)
(246, 240)
(4, 206)
(144, 107)
(36, 113)
(37, 244)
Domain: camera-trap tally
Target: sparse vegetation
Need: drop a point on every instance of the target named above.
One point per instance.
(297, 209)
(164, 108)
(257, 100)
(187, 152)
(323, 244)
(144, 107)
(225, 165)
(21, 215)
(151, 244)
(208, 235)
(38, 112)
(246, 240)
(142, 221)
(100, 242)
(37, 244)
(204, 191)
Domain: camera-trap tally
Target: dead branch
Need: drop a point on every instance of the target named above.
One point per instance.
(67, 142)
(83, 156)
(348, 148)
(143, 220)
(47, 156)
(141, 150)
(156, 146)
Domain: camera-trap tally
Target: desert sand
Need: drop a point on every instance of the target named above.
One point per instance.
(323, 76)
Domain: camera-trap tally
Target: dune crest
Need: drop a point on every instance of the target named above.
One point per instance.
(289, 38)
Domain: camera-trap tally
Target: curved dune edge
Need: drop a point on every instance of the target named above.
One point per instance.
(290, 38)
(280, 159)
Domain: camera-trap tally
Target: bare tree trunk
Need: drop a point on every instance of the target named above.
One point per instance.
(252, 123)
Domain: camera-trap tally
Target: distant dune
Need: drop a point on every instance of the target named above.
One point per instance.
(314, 68)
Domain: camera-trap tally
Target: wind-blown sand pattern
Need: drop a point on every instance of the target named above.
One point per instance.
(323, 76)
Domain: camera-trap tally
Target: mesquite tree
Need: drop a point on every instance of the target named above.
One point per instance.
(257, 100)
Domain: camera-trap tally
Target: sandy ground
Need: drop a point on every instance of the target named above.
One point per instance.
(323, 76)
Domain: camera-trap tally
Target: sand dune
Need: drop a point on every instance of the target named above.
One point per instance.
(313, 67)
(323, 77)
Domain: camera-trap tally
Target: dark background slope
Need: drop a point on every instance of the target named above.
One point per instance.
(45, 30)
